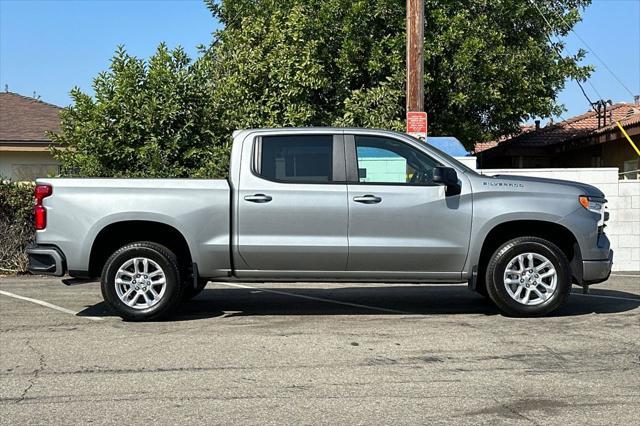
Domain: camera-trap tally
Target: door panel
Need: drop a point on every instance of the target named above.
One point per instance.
(299, 225)
(412, 229)
(398, 219)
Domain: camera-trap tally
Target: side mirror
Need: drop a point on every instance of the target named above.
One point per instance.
(448, 177)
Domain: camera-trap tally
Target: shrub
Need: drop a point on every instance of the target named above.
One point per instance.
(16, 225)
(146, 119)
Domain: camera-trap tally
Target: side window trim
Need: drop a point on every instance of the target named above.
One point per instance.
(351, 158)
(256, 165)
(339, 167)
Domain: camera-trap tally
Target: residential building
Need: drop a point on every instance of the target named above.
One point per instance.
(24, 143)
(592, 139)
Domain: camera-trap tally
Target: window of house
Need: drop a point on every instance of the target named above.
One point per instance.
(297, 158)
(384, 160)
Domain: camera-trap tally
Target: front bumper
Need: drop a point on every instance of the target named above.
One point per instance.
(46, 260)
(596, 271)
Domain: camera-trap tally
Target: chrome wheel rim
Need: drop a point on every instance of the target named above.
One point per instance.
(530, 279)
(140, 283)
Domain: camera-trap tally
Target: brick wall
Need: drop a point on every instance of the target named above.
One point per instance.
(626, 230)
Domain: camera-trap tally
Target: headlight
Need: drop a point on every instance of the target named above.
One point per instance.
(596, 205)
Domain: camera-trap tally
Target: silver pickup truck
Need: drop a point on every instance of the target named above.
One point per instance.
(324, 204)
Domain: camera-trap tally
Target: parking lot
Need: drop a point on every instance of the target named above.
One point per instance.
(318, 353)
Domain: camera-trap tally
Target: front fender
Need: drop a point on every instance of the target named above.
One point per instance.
(493, 208)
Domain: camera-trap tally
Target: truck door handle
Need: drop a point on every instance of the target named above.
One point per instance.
(258, 198)
(367, 199)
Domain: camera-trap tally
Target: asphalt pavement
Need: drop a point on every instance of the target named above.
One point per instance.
(318, 354)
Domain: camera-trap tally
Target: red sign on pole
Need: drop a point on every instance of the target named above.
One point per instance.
(417, 124)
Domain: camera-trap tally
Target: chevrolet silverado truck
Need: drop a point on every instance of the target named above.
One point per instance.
(324, 204)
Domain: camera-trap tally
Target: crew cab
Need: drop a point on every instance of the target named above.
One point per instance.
(324, 204)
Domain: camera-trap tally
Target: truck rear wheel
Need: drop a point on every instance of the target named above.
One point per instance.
(141, 281)
(528, 276)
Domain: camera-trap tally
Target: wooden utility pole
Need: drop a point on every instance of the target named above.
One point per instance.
(415, 55)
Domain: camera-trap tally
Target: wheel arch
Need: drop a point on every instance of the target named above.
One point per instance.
(117, 234)
(550, 231)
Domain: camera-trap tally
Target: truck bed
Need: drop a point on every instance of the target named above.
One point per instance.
(197, 208)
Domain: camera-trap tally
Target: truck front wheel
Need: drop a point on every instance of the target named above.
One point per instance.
(528, 276)
(141, 281)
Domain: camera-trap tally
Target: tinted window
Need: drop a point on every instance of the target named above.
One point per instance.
(383, 160)
(297, 158)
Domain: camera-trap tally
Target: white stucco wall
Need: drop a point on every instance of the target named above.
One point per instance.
(19, 165)
(468, 161)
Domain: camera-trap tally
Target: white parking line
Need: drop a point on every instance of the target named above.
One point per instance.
(320, 299)
(48, 305)
(625, 275)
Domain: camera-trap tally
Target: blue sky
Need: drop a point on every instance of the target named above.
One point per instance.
(50, 46)
(612, 29)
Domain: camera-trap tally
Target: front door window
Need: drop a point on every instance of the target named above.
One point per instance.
(387, 161)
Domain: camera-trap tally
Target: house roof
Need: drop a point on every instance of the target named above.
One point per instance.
(26, 120)
(632, 118)
(573, 128)
(483, 146)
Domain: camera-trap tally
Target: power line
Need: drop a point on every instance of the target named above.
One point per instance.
(583, 92)
(559, 52)
(594, 89)
(593, 52)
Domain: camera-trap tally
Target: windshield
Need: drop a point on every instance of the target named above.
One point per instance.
(464, 167)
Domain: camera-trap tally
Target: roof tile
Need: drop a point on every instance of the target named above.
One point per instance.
(24, 119)
(572, 128)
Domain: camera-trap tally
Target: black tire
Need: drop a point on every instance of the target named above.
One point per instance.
(190, 292)
(495, 283)
(160, 255)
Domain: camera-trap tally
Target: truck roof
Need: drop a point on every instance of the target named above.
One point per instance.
(449, 144)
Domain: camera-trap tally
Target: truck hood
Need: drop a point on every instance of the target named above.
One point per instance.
(586, 189)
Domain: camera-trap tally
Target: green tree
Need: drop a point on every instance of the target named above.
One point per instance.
(489, 64)
(309, 63)
(146, 119)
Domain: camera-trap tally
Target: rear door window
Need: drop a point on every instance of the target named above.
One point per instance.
(296, 158)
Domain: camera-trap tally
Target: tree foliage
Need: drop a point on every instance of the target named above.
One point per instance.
(146, 119)
(488, 66)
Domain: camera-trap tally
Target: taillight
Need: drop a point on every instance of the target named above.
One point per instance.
(39, 212)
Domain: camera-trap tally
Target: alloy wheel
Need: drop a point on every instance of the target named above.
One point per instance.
(140, 283)
(530, 279)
